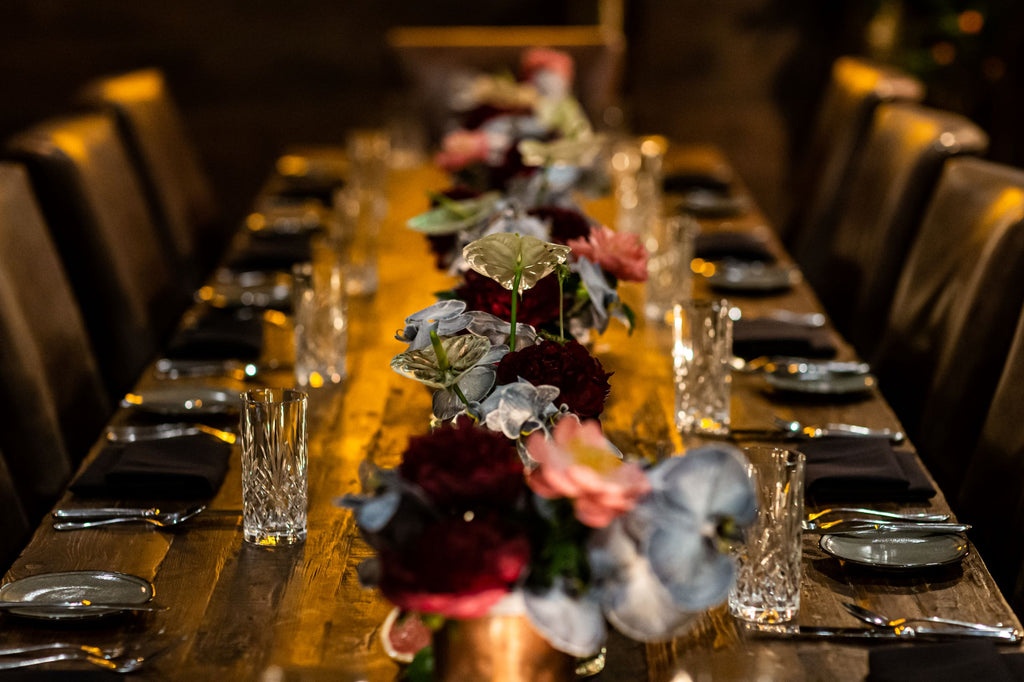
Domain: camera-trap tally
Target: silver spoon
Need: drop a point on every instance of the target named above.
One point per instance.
(898, 516)
(796, 428)
(110, 652)
(161, 520)
(130, 433)
(116, 665)
(998, 631)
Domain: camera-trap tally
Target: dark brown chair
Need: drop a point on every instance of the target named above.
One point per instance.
(855, 89)
(98, 218)
(992, 496)
(953, 316)
(167, 162)
(12, 516)
(856, 270)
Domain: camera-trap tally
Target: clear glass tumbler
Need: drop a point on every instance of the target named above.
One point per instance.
(669, 276)
(274, 462)
(321, 319)
(701, 355)
(767, 589)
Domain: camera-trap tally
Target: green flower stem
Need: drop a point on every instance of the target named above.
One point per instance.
(515, 304)
(563, 272)
(462, 396)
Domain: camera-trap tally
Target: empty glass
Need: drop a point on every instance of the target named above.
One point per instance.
(701, 354)
(767, 589)
(669, 277)
(356, 229)
(274, 461)
(321, 318)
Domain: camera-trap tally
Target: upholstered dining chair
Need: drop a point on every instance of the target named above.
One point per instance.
(954, 312)
(855, 271)
(992, 496)
(98, 218)
(12, 516)
(855, 89)
(167, 162)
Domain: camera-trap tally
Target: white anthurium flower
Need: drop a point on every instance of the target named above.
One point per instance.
(474, 384)
(463, 353)
(496, 330)
(447, 318)
(573, 624)
(567, 152)
(503, 257)
(453, 216)
(519, 409)
(549, 186)
(512, 222)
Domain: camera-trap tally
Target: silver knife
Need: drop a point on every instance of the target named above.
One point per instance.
(930, 633)
(851, 525)
(79, 606)
(129, 512)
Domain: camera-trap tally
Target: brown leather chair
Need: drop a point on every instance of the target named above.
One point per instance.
(167, 162)
(855, 89)
(12, 516)
(856, 270)
(953, 316)
(98, 218)
(992, 496)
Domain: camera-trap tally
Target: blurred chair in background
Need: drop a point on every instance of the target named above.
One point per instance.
(855, 89)
(953, 316)
(855, 271)
(98, 218)
(51, 394)
(992, 496)
(431, 57)
(167, 162)
(12, 516)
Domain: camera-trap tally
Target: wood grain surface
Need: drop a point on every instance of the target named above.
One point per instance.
(247, 613)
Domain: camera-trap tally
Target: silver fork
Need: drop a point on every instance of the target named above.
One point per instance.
(161, 519)
(130, 433)
(108, 653)
(796, 428)
(116, 665)
(923, 517)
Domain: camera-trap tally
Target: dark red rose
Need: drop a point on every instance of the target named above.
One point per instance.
(465, 467)
(474, 118)
(565, 223)
(577, 374)
(458, 568)
(537, 306)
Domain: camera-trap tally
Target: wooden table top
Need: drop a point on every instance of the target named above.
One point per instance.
(240, 610)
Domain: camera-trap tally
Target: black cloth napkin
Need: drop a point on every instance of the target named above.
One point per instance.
(945, 662)
(172, 468)
(862, 468)
(730, 244)
(297, 188)
(754, 337)
(682, 182)
(272, 252)
(219, 335)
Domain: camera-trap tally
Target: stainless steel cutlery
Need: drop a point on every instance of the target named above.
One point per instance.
(931, 626)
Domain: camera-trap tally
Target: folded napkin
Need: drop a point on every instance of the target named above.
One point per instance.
(754, 337)
(300, 187)
(272, 252)
(862, 468)
(186, 467)
(730, 244)
(682, 182)
(217, 335)
(62, 675)
(949, 661)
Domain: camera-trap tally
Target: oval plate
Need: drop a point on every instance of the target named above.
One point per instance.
(896, 550)
(753, 277)
(827, 383)
(184, 400)
(97, 586)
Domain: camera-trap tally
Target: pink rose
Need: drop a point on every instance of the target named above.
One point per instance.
(545, 59)
(461, 148)
(579, 464)
(620, 253)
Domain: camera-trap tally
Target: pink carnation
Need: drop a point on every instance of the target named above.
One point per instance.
(545, 59)
(461, 148)
(578, 463)
(620, 253)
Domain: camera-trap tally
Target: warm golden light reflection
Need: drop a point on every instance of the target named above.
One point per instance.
(292, 165)
(138, 87)
(315, 380)
(255, 221)
(205, 293)
(133, 399)
(970, 21)
(1010, 202)
(943, 53)
(653, 145)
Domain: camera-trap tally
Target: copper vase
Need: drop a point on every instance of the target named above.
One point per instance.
(498, 649)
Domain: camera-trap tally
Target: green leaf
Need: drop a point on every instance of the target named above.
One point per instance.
(454, 216)
(499, 256)
(463, 353)
(422, 667)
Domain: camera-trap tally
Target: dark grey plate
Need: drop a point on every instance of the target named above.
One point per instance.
(822, 383)
(184, 400)
(753, 277)
(897, 550)
(76, 586)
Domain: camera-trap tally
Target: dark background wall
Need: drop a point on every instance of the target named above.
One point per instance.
(252, 76)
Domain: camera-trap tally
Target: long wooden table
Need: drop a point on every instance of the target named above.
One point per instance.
(300, 612)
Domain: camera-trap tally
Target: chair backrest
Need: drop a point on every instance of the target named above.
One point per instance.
(855, 89)
(98, 218)
(13, 518)
(992, 495)
(44, 339)
(957, 301)
(168, 164)
(857, 271)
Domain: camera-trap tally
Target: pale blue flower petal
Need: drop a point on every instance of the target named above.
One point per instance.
(571, 624)
(689, 566)
(496, 330)
(710, 482)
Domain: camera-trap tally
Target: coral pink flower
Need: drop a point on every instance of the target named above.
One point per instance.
(620, 253)
(545, 59)
(579, 464)
(461, 148)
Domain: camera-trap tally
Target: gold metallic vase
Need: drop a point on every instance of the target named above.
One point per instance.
(498, 649)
